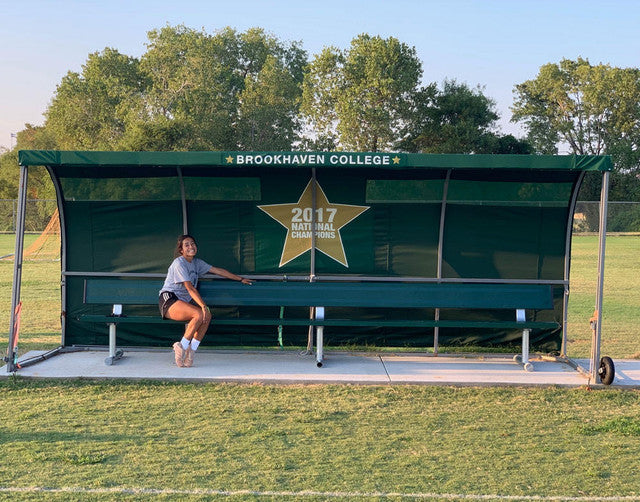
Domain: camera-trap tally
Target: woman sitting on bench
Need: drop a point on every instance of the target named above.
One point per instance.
(181, 301)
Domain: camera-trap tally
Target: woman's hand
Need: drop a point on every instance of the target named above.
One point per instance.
(249, 282)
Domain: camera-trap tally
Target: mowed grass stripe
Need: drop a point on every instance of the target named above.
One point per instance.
(308, 494)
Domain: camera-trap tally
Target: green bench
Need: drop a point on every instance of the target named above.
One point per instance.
(519, 298)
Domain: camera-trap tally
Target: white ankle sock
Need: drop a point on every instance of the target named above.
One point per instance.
(185, 343)
(194, 344)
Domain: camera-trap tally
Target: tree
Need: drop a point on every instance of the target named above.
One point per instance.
(591, 109)
(457, 119)
(200, 81)
(361, 98)
(267, 115)
(189, 91)
(40, 185)
(90, 109)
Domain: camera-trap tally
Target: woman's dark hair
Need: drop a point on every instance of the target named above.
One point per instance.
(178, 251)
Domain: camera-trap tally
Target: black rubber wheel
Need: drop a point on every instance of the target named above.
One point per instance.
(607, 370)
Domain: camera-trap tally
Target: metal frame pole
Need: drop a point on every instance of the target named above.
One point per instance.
(314, 203)
(312, 266)
(183, 199)
(63, 255)
(443, 210)
(567, 263)
(597, 332)
(17, 265)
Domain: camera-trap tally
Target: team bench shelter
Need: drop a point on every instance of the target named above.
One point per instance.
(363, 249)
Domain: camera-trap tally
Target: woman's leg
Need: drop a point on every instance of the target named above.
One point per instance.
(191, 314)
(204, 326)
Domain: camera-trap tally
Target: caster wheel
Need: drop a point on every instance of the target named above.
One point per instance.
(109, 361)
(606, 371)
(119, 353)
(517, 358)
(319, 364)
(528, 367)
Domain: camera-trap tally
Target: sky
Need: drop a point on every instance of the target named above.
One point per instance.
(496, 44)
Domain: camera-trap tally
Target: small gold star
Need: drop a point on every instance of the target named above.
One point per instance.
(229, 159)
(396, 160)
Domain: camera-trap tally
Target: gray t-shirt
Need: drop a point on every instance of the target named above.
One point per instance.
(181, 271)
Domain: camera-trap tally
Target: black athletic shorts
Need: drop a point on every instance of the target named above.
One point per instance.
(167, 298)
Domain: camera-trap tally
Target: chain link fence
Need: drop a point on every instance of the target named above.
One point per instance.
(621, 216)
(38, 214)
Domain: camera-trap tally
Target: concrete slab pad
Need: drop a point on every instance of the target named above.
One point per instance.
(291, 367)
(479, 371)
(282, 367)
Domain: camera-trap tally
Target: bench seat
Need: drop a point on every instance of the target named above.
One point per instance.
(321, 295)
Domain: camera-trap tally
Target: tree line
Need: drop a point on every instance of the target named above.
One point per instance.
(230, 90)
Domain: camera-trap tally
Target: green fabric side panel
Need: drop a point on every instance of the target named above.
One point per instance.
(121, 237)
(115, 237)
(489, 242)
(224, 233)
(502, 227)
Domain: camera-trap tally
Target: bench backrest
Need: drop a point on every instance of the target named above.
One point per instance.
(332, 294)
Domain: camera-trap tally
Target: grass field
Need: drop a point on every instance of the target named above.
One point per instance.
(113, 440)
(96, 440)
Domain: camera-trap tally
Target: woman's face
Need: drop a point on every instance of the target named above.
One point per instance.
(189, 248)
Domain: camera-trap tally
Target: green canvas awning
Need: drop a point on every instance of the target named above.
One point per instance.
(55, 158)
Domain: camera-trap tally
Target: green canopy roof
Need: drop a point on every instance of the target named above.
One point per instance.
(315, 159)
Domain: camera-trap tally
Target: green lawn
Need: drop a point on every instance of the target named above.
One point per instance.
(97, 440)
(358, 440)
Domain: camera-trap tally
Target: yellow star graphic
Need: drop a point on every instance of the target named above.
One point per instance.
(396, 160)
(297, 219)
(229, 159)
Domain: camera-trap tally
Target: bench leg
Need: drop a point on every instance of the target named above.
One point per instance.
(114, 353)
(319, 336)
(525, 350)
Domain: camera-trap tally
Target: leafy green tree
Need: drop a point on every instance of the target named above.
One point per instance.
(189, 91)
(457, 119)
(268, 112)
(40, 185)
(90, 109)
(589, 109)
(361, 98)
(199, 81)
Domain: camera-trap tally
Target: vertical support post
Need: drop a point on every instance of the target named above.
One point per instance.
(63, 254)
(112, 340)
(443, 210)
(314, 218)
(602, 237)
(320, 333)
(567, 262)
(525, 345)
(312, 266)
(183, 199)
(17, 265)
(565, 321)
